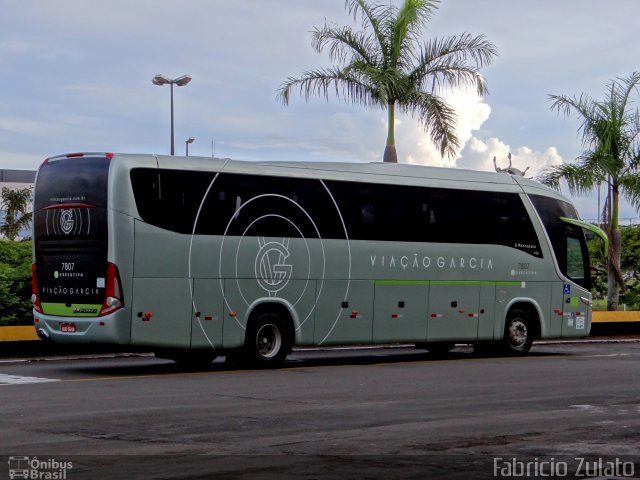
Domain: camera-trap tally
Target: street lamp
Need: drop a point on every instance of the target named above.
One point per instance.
(181, 82)
(186, 144)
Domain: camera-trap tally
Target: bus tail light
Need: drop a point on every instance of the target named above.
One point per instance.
(35, 298)
(113, 298)
(106, 155)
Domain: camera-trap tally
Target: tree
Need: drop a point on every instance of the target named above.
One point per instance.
(15, 283)
(15, 203)
(611, 137)
(386, 65)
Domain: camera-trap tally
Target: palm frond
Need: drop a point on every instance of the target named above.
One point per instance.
(579, 180)
(453, 61)
(374, 17)
(564, 104)
(438, 118)
(630, 188)
(622, 88)
(464, 47)
(347, 83)
(344, 43)
(405, 29)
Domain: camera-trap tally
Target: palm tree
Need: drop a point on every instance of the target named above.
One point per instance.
(387, 65)
(611, 137)
(15, 204)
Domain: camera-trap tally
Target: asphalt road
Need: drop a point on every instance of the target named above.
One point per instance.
(378, 413)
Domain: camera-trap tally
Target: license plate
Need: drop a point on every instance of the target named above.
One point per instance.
(68, 327)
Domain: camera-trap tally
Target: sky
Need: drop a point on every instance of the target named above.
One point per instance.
(75, 75)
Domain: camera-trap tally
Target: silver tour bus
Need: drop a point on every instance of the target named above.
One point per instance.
(198, 257)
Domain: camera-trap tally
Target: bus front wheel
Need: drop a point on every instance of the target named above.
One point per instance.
(268, 341)
(518, 333)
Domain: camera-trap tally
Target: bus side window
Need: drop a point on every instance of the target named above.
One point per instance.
(368, 214)
(238, 205)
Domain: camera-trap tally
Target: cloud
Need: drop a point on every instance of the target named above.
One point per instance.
(18, 125)
(478, 155)
(414, 145)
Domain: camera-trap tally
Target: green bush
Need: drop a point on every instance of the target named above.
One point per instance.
(15, 283)
(630, 265)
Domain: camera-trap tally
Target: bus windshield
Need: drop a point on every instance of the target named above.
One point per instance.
(567, 240)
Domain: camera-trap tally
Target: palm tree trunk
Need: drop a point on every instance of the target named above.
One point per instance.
(10, 223)
(614, 276)
(390, 154)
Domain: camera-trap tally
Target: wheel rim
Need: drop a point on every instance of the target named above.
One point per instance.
(268, 340)
(518, 333)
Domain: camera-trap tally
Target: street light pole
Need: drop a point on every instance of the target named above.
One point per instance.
(172, 135)
(186, 145)
(180, 82)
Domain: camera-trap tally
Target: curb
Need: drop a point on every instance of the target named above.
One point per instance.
(17, 334)
(22, 341)
(615, 317)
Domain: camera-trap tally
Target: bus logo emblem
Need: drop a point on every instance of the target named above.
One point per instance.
(272, 273)
(66, 221)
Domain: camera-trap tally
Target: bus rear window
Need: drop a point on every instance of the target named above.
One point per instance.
(72, 180)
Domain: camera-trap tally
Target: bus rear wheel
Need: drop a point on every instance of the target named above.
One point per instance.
(518, 333)
(268, 341)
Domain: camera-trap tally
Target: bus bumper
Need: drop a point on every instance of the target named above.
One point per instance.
(110, 329)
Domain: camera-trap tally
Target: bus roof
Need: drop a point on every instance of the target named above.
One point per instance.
(374, 172)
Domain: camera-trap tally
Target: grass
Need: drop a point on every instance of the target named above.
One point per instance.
(600, 305)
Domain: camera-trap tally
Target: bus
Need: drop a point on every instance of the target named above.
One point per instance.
(193, 257)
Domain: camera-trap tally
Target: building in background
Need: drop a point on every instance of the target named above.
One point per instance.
(17, 177)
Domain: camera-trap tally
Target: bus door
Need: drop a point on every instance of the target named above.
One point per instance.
(576, 306)
(453, 311)
(576, 297)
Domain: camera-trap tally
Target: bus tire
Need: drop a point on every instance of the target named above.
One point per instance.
(439, 348)
(518, 333)
(268, 341)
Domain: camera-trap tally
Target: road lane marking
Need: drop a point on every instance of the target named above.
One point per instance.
(6, 379)
(607, 355)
